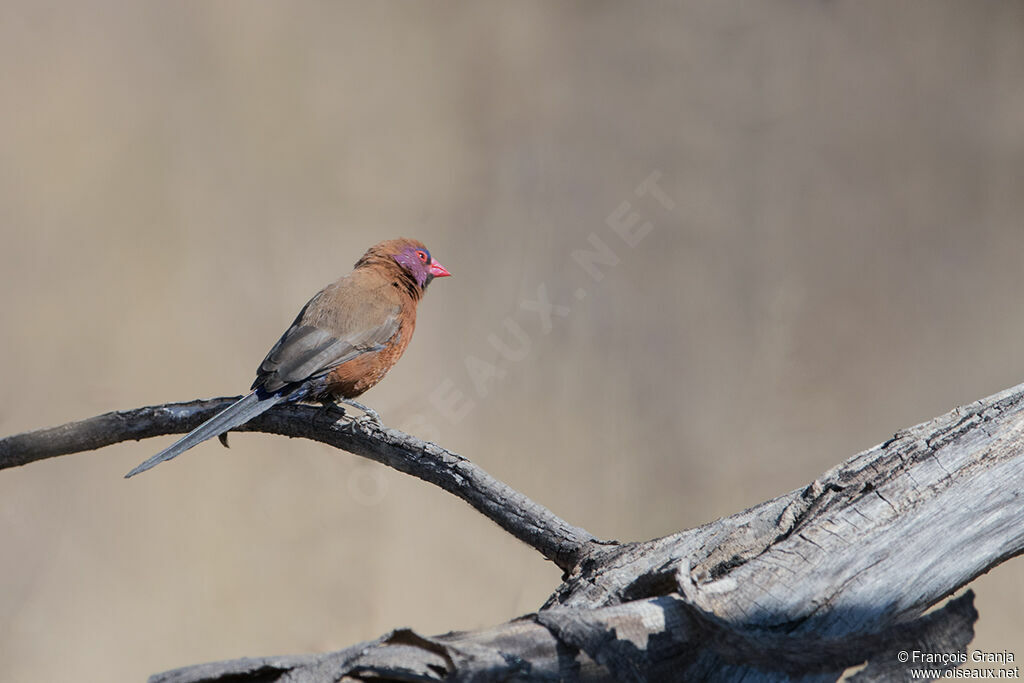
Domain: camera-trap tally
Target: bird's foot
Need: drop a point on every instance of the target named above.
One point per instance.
(327, 412)
(369, 415)
(368, 419)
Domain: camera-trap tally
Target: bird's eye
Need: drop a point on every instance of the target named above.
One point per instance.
(422, 255)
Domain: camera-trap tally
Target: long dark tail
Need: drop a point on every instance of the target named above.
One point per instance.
(239, 412)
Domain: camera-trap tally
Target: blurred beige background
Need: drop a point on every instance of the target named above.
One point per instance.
(844, 259)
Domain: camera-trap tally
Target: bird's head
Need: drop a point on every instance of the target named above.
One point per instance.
(412, 257)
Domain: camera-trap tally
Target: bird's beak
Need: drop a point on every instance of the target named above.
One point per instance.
(437, 270)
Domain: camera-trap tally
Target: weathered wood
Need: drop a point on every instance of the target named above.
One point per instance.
(798, 588)
(530, 522)
(897, 527)
(658, 639)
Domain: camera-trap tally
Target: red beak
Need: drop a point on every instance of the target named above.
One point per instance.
(437, 270)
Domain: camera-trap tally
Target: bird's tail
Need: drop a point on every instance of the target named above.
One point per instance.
(239, 412)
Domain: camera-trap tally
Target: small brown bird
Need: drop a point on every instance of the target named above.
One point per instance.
(344, 340)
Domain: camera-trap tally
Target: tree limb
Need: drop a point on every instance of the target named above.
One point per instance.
(530, 522)
(657, 639)
(800, 587)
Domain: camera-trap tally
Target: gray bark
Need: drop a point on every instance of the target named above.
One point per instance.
(801, 587)
(528, 521)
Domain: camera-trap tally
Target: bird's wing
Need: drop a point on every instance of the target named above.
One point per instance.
(340, 323)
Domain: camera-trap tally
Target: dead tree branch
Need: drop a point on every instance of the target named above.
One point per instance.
(803, 586)
(530, 522)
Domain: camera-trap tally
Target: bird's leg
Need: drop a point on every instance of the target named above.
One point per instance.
(369, 414)
(326, 406)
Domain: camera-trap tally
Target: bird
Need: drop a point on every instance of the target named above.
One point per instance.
(343, 341)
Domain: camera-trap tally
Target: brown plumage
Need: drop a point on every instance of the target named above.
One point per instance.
(356, 328)
(344, 340)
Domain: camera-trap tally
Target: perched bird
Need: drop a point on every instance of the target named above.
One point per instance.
(343, 341)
